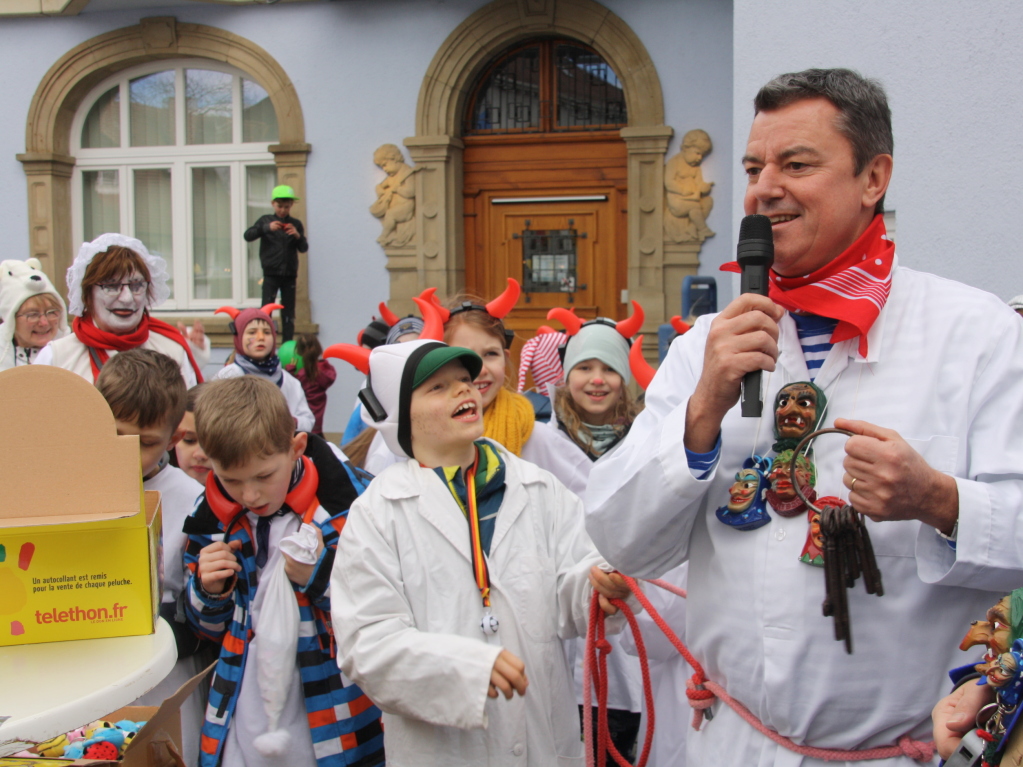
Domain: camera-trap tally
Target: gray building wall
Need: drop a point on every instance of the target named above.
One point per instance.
(357, 67)
(952, 75)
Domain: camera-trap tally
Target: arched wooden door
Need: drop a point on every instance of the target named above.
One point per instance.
(545, 183)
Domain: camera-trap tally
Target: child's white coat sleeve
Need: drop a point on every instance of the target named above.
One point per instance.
(438, 678)
(575, 554)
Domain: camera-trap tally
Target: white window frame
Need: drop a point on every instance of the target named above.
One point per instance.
(180, 158)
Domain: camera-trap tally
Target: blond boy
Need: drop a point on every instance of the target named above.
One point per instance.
(266, 482)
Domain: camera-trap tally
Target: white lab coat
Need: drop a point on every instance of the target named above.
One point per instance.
(552, 449)
(944, 370)
(407, 612)
(669, 673)
(292, 390)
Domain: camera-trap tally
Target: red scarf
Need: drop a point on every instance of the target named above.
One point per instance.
(102, 341)
(853, 288)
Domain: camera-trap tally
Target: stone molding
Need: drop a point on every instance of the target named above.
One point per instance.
(440, 250)
(46, 160)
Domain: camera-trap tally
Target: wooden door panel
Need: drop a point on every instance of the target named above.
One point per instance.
(556, 166)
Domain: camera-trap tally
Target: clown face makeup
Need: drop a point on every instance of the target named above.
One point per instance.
(117, 307)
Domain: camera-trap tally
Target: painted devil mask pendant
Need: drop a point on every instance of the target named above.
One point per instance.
(746, 507)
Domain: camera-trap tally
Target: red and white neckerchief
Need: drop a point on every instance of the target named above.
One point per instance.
(853, 288)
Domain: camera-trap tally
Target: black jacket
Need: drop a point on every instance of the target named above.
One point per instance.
(278, 251)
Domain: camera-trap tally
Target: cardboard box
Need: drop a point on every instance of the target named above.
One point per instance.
(158, 744)
(79, 540)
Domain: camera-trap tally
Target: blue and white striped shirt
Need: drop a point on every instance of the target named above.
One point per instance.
(815, 338)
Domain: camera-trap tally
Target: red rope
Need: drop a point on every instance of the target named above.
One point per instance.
(701, 692)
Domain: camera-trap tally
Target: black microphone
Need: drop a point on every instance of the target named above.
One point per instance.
(755, 254)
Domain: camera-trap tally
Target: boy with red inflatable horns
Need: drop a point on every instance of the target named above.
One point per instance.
(458, 570)
(269, 490)
(255, 353)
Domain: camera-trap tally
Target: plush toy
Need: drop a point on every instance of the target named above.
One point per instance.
(53, 746)
(102, 750)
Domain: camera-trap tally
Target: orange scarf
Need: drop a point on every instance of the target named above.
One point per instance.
(509, 420)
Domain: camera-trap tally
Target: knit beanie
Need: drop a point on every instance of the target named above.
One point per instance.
(599, 342)
(404, 326)
(243, 317)
(540, 357)
(1016, 302)
(20, 281)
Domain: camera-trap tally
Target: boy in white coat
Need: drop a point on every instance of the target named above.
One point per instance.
(435, 620)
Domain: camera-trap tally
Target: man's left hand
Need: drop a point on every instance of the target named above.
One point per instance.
(298, 573)
(609, 586)
(893, 481)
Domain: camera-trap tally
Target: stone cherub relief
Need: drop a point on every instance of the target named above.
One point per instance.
(395, 205)
(687, 200)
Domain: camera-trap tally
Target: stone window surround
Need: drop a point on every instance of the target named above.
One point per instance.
(48, 165)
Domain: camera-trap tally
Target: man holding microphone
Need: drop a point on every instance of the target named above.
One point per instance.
(927, 374)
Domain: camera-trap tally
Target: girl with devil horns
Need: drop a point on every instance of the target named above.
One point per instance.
(592, 412)
(255, 353)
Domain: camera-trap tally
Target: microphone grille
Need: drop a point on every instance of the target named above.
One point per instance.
(755, 227)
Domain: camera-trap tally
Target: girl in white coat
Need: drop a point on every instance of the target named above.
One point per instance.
(593, 411)
(450, 586)
(255, 353)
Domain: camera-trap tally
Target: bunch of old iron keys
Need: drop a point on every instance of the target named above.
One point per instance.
(848, 552)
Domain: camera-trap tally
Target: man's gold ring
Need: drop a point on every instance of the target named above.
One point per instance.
(852, 485)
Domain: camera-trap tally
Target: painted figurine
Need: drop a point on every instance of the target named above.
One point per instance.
(746, 507)
(782, 494)
(798, 409)
(813, 549)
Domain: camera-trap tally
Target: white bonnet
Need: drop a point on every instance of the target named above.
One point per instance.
(159, 290)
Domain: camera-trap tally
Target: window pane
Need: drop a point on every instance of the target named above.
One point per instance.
(589, 93)
(152, 109)
(259, 184)
(259, 121)
(103, 125)
(153, 215)
(510, 97)
(211, 232)
(208, 106)
(101, 203)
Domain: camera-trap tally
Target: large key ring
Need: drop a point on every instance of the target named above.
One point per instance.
(798, 451)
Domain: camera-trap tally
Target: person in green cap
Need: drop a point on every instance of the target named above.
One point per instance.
(281, 238)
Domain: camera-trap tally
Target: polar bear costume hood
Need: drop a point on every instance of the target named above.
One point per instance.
(20, 281)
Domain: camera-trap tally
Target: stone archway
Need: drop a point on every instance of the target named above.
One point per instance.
(48, 164)
(438, 257)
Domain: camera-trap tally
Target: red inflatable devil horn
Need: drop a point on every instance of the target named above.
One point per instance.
(229, 311)
(628, 328)
(680, 325)
(387, 315)
(566, 318)
(642, 371)
(504, 303)
(356, 356)
(433, 326)
(544, 329)
(269, 308)
(430, 294)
